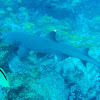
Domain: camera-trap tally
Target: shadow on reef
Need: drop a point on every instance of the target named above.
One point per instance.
(14, 93)
(51, 8)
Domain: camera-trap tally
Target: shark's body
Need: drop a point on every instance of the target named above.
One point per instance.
(47, 45)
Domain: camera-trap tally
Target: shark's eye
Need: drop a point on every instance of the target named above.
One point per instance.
(16, 43)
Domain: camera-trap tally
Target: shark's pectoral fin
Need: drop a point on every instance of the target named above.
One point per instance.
(52, 35)
(84, 62)
(62, 57)
(21, 52)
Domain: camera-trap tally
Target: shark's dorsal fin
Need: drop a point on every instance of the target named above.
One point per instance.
(52, 35)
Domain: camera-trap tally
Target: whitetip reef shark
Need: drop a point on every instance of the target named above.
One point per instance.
(47, 45)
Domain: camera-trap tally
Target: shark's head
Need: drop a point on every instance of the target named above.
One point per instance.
(6, 38)
(10, 38)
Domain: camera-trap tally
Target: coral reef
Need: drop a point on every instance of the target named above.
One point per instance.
(36, 86)
(4, 51)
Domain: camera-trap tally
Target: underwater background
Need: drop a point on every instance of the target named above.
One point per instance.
(77, 23)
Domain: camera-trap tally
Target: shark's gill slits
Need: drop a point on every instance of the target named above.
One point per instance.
(16, 43)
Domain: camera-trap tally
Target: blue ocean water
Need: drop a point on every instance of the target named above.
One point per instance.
(39, 76)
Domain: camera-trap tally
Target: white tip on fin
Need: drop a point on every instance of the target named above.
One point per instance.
(52, 35)
(54, 30)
